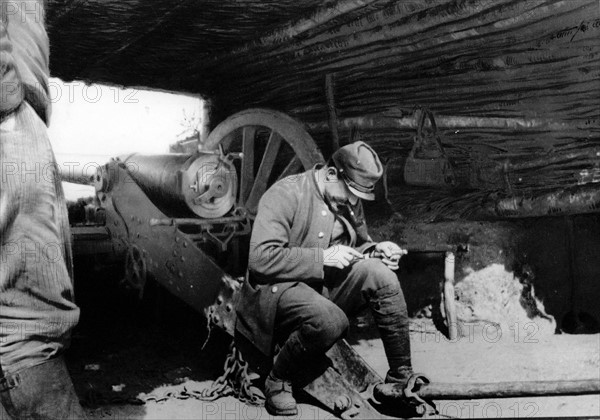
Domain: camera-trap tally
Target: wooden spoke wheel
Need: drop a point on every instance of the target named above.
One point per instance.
(272, 146)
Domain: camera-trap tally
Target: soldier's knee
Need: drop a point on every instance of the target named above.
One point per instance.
(378, 277)
(337, 324)
(327, 326)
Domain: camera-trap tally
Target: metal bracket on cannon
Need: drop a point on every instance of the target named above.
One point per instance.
(238, 224)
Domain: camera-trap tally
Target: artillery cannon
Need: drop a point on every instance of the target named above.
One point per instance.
(185, 219)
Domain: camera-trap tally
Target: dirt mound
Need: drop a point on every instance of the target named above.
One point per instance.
(495, 296)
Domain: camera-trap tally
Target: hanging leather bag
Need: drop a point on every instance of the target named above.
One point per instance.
(427, 164)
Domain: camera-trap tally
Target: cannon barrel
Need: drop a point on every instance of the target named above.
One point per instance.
(181, 185)
(79, 168)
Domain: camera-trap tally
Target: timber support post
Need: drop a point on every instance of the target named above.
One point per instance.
(331, 111)
(448, 296)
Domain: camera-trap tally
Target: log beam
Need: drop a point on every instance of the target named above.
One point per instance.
(579, 199)
(467, 391)
(371, 122)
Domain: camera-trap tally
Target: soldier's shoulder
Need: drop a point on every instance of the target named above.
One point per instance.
(286, 192)
(292, 184)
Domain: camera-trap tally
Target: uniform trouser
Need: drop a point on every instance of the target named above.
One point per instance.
(40, 392)
(308, 324)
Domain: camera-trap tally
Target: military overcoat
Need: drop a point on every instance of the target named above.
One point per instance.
(293, 226)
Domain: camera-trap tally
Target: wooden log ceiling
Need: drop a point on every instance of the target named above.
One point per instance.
(529, 60)
(490, 58)
(508, 80)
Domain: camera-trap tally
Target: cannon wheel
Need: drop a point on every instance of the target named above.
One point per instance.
(272, 145)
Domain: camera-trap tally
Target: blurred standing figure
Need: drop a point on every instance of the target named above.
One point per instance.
(37, 311)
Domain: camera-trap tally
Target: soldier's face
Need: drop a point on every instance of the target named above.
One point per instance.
(338, 193)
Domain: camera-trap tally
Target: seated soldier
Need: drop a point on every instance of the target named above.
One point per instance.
(310, 232)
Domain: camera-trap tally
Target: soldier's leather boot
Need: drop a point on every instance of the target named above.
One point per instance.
(279, 398)
(399, 375)
(391, 316)
(278, 385)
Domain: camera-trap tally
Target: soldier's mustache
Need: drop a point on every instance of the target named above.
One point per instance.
(336, 202)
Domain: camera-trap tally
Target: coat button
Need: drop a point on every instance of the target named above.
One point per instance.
(321, 234)
(323, 213)
(274, 289)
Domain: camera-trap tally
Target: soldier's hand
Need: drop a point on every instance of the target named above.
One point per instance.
(340, 256)
(390, 254)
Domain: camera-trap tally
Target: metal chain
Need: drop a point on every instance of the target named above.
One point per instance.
(235, 380)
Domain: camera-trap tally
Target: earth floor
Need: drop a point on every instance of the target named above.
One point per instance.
(123, 348)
